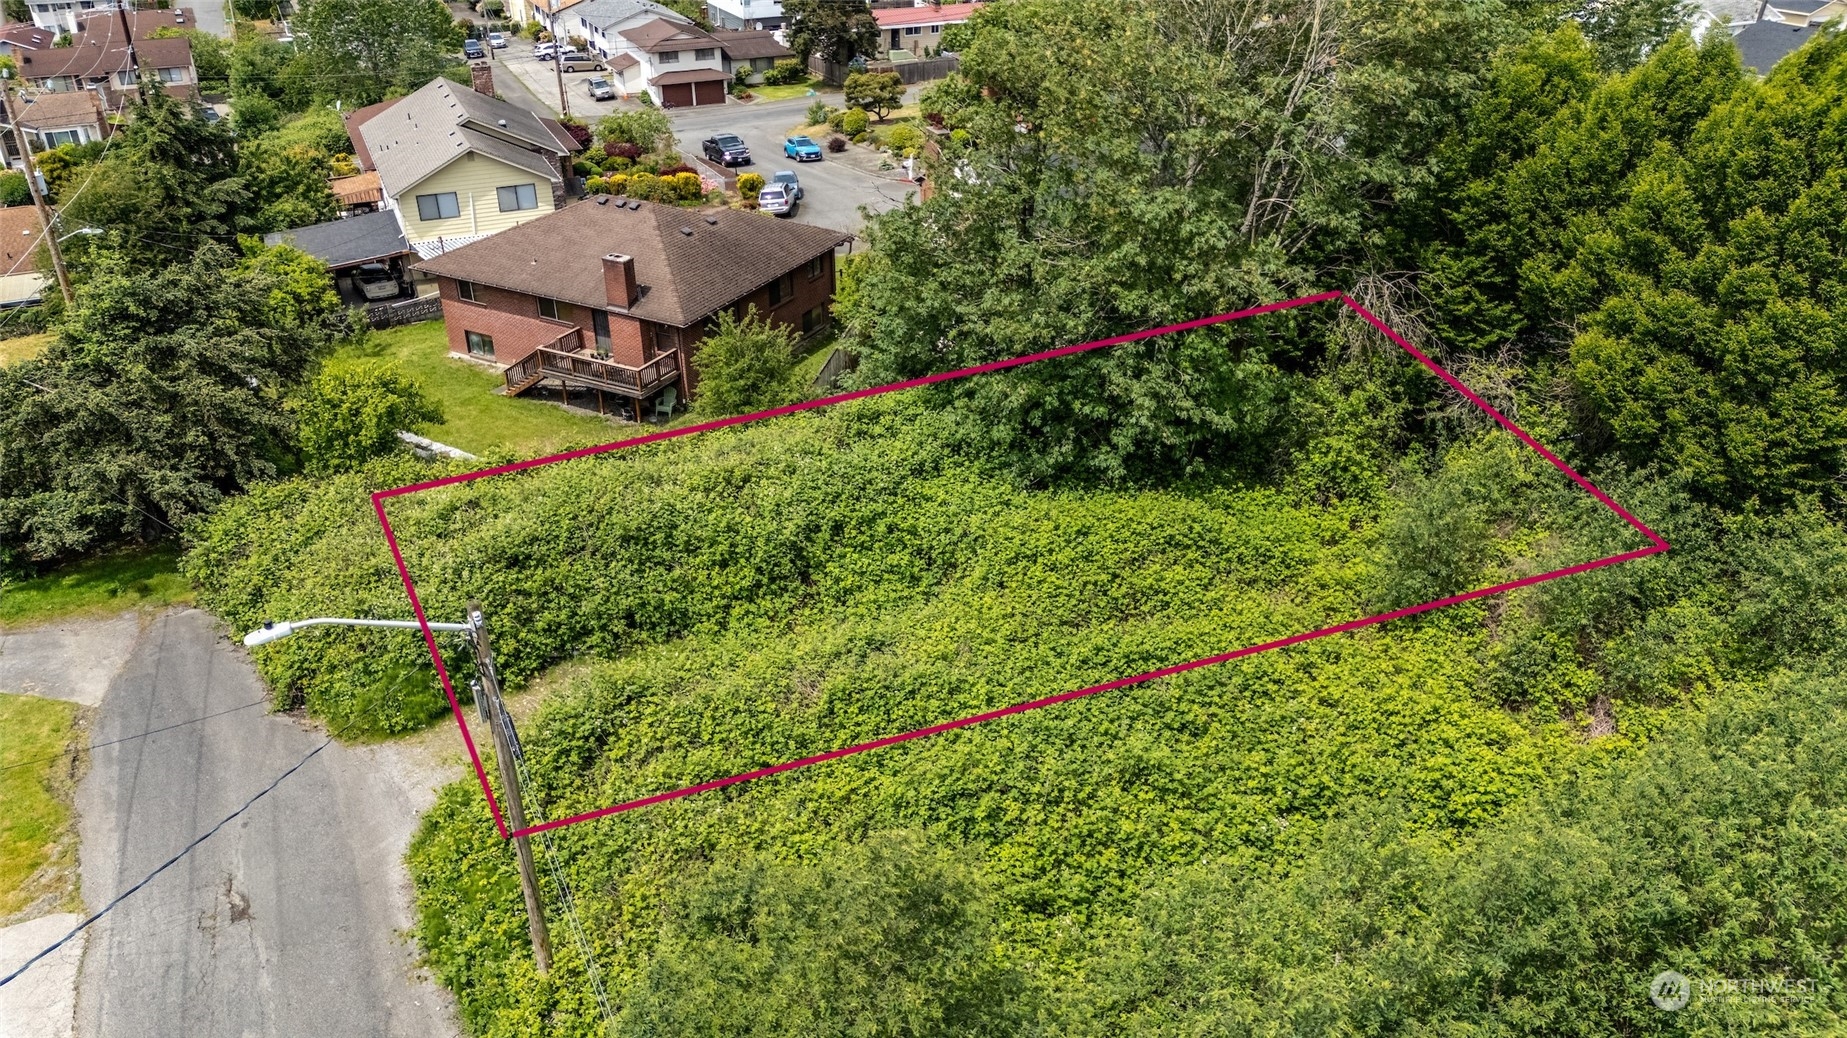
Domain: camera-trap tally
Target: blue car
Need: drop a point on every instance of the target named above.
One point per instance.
(801, 149)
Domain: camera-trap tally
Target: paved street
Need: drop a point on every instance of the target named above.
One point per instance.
(834, 188)
(289, 920)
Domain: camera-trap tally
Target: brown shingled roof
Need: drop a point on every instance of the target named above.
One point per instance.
(749, 44)
(60, 110)
(20, 234)
(688, 75)
(662, 35)
(683, 278)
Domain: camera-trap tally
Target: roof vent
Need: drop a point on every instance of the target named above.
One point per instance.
(634, 205)
(503, 123)
(713, 220)
(602, 200)
(688, 231)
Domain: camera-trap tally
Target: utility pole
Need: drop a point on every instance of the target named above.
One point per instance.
(495, 710)
(558, 67)
(38, 197)
(128, 36)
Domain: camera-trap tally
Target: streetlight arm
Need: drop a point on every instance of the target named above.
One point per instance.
(269, 632)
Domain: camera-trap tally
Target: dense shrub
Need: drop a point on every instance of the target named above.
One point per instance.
(854, 122)
(350, 414)
(818, 112)
(745, 364)
(904, 140)
(749, 184)
(785, 72)
(836, 144)
(622, 149)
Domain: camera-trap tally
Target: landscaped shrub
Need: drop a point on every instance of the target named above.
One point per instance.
(676, 169)
(749, 184)
(583, 168)
(836, 144)
(904, 140)
(622, 149)
(854, 122)
(597, 185)
(688, 185)
(645, 186)
(836, 118)
(618, 183)
(784, 72)
(818, 112)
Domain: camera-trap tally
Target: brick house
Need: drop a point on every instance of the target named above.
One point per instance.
(613, 297)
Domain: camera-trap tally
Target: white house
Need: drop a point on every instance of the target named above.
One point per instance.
(600, 21)
(674, 62)
(745, 14)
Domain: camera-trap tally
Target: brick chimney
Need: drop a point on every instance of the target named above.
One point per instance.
(483, 75)
(619, 279)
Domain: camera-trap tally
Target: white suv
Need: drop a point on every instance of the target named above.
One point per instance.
(545, 51)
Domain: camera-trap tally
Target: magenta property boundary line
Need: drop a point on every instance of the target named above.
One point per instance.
(1656, 545)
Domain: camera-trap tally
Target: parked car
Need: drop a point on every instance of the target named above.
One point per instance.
(801, 149)
(497, 40)
(600, 88)
(545, 51)
(376, 281)
(787, 179)
(776, 199)
(573, 60)
(727, 149)
(473, 50)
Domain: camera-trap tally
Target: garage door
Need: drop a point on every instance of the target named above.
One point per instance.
(710, 92)
(679, 95)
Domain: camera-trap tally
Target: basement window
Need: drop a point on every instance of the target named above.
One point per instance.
(479, 345)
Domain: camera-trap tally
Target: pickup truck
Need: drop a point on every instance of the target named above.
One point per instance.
(726, 149)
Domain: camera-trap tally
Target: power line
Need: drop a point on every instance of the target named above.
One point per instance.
(130, 738)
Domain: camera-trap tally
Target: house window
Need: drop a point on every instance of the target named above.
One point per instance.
(479, 345)
(466, 290)
(524, 196)
(549, 308)
(815, 267)
(172, 75)
(53, 138)
(782, 288)
(913, 30)
(814, 319)
(936, 30)
(667, 57)
(707, 54)
(438, 207)
(125, 78)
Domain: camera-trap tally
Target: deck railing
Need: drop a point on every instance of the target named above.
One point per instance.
(564, 359)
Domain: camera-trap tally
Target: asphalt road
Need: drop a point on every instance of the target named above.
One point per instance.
(834, 188)
(285, 923)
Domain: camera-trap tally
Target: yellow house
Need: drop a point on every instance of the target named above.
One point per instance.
(21, 234)
(457, 165)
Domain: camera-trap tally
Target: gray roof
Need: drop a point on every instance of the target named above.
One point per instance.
(606, 13)
(1763, 44)
(1799, 6)
(345, 243)
(442, 121)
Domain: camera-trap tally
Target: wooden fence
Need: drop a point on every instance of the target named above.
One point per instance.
(921, 70)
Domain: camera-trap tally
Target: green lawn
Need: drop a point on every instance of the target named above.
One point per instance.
(110, 584)
(476, 419)
(38, 852)
(23, 347)
(809, 368)
(783, 93)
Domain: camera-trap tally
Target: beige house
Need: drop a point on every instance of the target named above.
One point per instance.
(917, 29)
(457, 165)
(21, 233)
(1803, 12)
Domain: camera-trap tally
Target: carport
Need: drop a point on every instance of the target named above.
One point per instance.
(691, 88)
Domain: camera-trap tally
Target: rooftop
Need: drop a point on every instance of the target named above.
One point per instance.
(605, 14)
(60, 110)
(689, 264)
(426, 130)
(1762, 44)
(662, 35)
(20, 231)
(948, 14)
(348, 242)
(749, 44)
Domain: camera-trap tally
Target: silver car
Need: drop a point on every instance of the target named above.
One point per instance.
(787, 179)
(776, 199)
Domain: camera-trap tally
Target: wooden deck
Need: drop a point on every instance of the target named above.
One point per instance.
(565, 362)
